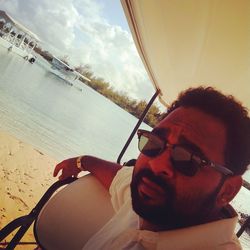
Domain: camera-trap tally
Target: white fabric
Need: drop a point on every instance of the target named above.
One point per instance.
(193, 42)
(122, 232)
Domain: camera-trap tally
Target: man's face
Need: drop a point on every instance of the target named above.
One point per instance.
(164, 196)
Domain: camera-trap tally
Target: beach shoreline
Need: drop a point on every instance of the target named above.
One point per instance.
(25, 175)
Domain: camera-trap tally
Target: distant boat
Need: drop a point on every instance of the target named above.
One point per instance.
(17, 38)
(65, 71)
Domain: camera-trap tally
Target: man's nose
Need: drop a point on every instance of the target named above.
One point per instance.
(162, 165)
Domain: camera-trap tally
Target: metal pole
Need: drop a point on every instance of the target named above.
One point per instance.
(244, 227)
(137, 125)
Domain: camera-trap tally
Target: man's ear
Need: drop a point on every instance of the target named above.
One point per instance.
(229, 189)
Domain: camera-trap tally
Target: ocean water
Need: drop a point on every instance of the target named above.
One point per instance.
(62, 121)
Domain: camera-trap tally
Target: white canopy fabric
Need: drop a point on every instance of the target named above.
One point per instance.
(191, 43)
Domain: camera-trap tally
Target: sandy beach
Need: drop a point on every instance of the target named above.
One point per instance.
(25, 174)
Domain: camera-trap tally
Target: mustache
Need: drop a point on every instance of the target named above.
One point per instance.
(158, 179)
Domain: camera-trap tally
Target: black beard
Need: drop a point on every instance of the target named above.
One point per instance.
(158, 214)
(171, 214)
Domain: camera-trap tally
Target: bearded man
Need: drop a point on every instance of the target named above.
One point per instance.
(177, 195)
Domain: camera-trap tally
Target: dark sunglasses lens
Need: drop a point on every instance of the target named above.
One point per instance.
(149, 145)
(182, 161)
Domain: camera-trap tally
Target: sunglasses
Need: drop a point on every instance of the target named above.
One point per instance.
(183, 159)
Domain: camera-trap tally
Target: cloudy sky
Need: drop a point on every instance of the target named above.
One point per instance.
(93, 32)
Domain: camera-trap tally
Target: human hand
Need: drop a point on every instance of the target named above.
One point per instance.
(68, 167)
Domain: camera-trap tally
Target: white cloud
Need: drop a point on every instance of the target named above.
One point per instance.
(77, 28)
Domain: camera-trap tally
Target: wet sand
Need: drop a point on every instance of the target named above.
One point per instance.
(25, 175)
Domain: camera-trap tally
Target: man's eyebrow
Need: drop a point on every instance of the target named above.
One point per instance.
(184, 141)
(161, 132)
(164, 132)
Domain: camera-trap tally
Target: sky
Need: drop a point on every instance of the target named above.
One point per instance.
(92, 32)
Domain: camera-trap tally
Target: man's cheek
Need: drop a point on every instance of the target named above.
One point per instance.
(141, 162)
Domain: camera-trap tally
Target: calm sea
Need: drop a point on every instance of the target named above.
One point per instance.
(62, 121)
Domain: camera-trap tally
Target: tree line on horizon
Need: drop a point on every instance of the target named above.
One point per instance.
(133, 106)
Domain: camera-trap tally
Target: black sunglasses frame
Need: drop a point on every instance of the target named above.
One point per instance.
(196, 161)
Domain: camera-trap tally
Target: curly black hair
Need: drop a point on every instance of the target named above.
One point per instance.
(231, 113)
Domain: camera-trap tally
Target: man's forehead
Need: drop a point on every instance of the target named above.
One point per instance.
(201, 129)
(194, 120)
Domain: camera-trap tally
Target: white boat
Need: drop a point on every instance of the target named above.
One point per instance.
(65, 71)
(182, 44)
(16, 38)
